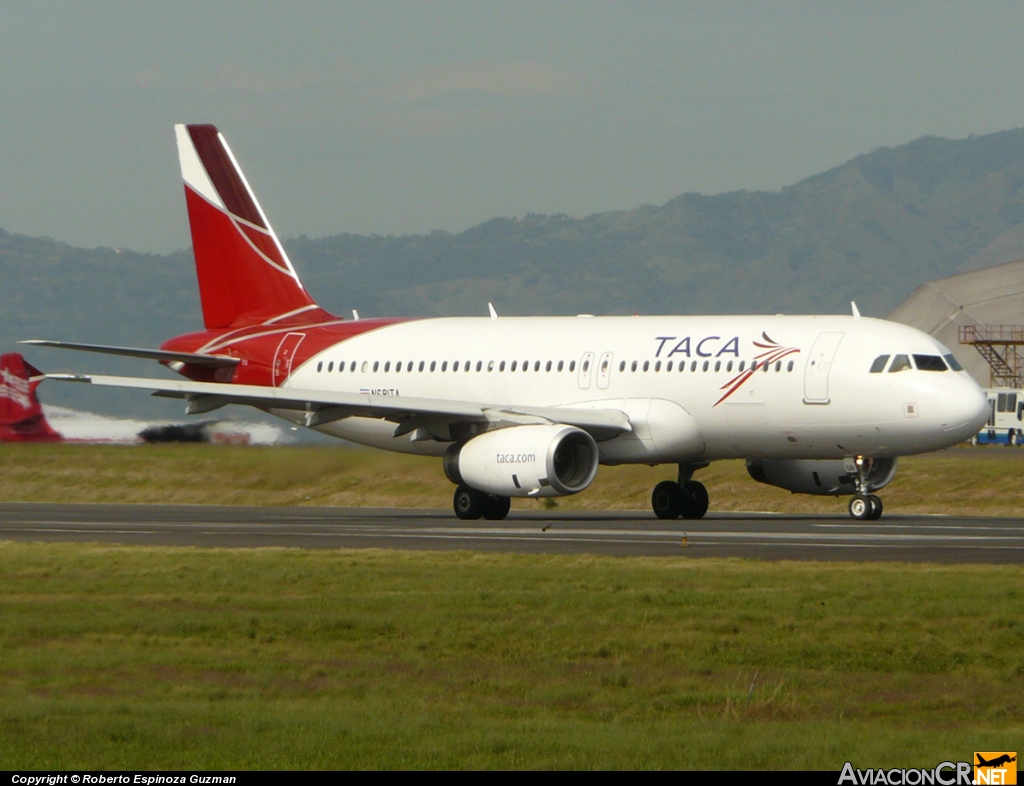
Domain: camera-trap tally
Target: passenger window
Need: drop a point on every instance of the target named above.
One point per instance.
(718, 365)
(604, 366)
(878, 366)
(742, 364)
(789, 366)
(572, 365)
(547, 366)
(668, 366)
(363, 367)
(479, 365)
(514, 365)
(455, 366)
(536, 365)
(929, 363)
(706, 364)
(433, 364)
(728, 366)
(633, 367)
(657, 366)
(387, 366)
(778, 365)
(899, 363)
(376, 365)
(622, 365)
(422, 364)
(490, 365)
(330, 366)
(398, 366)
(647, 365)
(693, 366)
(341, 367)
(502, 366)
(561, 364)
(319, 367)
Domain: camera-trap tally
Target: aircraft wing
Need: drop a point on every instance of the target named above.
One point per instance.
(424, 418)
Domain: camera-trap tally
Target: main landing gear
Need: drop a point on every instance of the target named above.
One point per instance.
(471, 504)
(864, 506)
(686, 498)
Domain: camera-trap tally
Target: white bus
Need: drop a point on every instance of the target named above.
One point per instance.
(1006, 418)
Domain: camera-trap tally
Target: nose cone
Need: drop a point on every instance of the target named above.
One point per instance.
(965, 410)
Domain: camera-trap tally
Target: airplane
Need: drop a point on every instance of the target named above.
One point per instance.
(996, 762)
(24, 419)
(531, 406)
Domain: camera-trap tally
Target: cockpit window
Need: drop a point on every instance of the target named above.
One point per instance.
(929, 363)
(879, 365)
(953, 362)
(899, 363)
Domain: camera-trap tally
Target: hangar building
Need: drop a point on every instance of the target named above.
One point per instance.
(991, 296)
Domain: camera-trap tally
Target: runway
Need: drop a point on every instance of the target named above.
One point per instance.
(748, 535)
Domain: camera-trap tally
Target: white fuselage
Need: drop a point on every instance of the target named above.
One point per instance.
(685, 382)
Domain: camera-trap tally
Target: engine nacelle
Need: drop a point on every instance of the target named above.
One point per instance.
(525, 461)
(828, 477)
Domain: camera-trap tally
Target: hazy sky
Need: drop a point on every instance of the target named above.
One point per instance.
(397, 117)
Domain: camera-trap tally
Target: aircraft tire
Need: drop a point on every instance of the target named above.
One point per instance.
(861, 507)
(496, 507)
(695, 500)
(468, 503)
(667, 500)
(876, 507)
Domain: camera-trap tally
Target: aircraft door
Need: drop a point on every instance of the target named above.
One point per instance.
(604, 370)
(818, 366)
(285, 356)
(586, 370)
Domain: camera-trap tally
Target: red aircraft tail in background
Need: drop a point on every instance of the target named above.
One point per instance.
(21, 415)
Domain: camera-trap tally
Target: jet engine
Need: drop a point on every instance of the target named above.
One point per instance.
(525, 461)
(828, 477)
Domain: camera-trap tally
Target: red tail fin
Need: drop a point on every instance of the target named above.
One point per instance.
(245, 276)
(21, 414)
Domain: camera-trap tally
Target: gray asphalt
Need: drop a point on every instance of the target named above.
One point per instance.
(749, 535)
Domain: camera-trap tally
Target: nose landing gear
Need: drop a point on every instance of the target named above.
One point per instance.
(867, 507)
(864, 506)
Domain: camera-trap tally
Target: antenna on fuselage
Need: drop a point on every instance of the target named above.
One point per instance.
(856, 311)
(494, 314)
(355, 315)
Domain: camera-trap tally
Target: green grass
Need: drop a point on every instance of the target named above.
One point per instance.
(983, 481)
(122, 657)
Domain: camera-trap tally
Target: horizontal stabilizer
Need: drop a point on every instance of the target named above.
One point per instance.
(193, 358)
